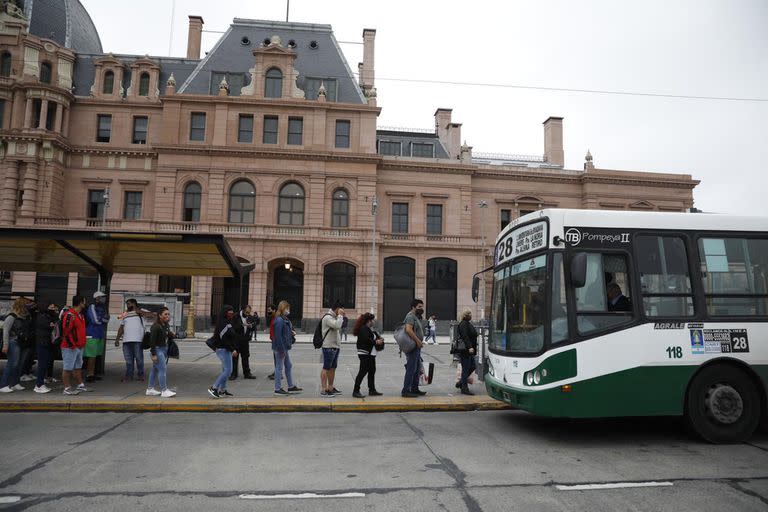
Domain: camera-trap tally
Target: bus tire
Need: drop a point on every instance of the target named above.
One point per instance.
(723, 404)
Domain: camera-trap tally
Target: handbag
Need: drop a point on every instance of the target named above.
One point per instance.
(406, 344)
(173, 349)
(211, 342)
(145, 344)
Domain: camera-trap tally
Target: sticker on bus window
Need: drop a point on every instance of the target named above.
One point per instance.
(719, 341)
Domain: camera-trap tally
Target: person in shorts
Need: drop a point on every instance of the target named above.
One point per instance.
(72, 345)
(331, 329)
(96, 331)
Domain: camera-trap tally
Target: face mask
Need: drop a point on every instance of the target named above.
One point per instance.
(130, 308)
(287, 312)
(419, 312)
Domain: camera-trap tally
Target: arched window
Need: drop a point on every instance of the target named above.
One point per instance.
(144, 84)
(5, 64)
(291, 208)
(339, 284)
(192, 195)
(242, 203)
(340, 209)
(273, 85)
(45, 72)
(109, 83)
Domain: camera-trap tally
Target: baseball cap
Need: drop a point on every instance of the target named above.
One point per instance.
(96, 295)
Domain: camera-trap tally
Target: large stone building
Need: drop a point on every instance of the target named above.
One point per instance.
(271, 140)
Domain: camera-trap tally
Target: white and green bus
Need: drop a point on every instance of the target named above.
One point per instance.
(605, 313)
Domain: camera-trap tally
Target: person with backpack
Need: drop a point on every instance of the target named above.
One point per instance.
(14, 333)
(72, 344)
(415, 330)
(96, 318)
(131, 331)
(466, 350)
(367, 342)
(283, 337)
(159, 335)
(330, 337)
(228, 332)
(45, 323)
(246, 327)
(27, 343)
(269, 325)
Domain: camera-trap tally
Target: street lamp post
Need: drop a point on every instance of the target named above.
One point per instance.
(103, 219)
(483, 205)
(374, 211)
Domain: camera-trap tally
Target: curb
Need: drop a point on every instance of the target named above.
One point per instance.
(446, 404)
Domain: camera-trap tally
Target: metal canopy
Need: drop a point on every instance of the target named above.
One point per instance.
(45, 250)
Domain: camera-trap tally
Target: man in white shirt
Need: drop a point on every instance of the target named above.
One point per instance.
(131, 331)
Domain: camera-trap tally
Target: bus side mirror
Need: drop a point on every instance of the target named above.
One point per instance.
(475, 288)
(579, 269)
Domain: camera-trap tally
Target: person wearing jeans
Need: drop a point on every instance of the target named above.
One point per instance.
(228, 331)
(281, 344)
(131, 331)
(44, 324)
(9, 382)
(415, 329)
(158, 349)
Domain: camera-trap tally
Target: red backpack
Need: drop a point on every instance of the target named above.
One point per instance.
(272, 328)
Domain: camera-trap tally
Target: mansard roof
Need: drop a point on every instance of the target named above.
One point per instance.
(64, 21)
(317, 55)
(406, 138)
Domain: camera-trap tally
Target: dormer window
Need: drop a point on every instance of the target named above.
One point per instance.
(45, 72)
(144, 84)
(109, 83)
(423, 150)
(273, 84)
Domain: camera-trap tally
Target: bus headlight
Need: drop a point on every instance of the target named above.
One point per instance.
(536, 377)
(529, 378)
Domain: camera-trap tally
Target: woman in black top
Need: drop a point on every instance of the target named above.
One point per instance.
(45, 321)
(158, 349)
(468, 333)
(228, 331)
(367, 341)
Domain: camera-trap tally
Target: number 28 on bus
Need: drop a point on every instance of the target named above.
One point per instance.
(604, 314)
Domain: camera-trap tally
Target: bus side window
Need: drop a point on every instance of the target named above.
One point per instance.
(559, 326)
(604, 301)
(662, 263)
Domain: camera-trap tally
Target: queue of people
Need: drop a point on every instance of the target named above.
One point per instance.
(79, 332)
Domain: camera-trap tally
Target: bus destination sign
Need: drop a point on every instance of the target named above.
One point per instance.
(528, 238)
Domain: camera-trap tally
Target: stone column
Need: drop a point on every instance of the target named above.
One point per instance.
(65, 121)
(43, 115)
(29, 205)
(28, 114)
(9, 192)
(59, 117)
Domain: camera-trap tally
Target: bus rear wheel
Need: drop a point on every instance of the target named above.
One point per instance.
(723, 405)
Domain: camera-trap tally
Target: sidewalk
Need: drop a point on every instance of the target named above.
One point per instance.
(198, 367)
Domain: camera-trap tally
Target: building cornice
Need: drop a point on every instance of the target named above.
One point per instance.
(268, 102)
(96, 150)
(271, 153)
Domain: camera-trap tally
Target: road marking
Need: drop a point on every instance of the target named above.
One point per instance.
(302, 496)
(620, 485)
(9, 499)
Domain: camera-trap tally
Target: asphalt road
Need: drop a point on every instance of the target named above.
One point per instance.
(504, 460)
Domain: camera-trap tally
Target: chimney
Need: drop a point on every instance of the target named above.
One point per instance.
(448, 133)
(194, 39)
(553, 141)
(367, 81)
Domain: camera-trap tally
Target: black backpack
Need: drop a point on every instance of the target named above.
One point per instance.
(318, 338)
(22, 330)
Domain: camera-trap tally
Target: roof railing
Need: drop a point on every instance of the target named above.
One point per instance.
(506, 157)
(404, 129)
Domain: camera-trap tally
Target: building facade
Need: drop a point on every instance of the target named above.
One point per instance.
(270, 140)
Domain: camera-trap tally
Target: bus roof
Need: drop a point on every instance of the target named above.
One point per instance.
(560, 218)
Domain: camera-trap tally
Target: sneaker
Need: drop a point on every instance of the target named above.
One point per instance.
(81, 388)
(458, 385)
(335, 391)
(27, 378)
(51, 380)
(281, 391)
(420, 392)
(408, 395)
(295, 389)
(214, 392)
(71, 391)
(42, 389)
(374, 393)
(167, 393)
(153, 392)
(249, 376)
(327, 393)
(271, 376)
(358, 394)
(19, 387)
(6, 389)
(225, 393)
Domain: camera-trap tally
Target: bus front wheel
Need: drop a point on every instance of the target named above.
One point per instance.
(723, 405)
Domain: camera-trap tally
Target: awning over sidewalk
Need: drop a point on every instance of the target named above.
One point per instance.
(46, 250)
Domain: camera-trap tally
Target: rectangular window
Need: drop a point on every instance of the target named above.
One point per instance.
(312, 87)
(506, 218)
(197, 126)
(95, 204)
(734, 273)
(342, 134)
(2, 114)
(235, 81)
(604, 301)
(245, 128)
(434, 219)
(665, 281)
(132, 207)
(103, 127)
(270, 130)
(140, 127)
(399, 217)
(559, 323)
(423, 150)
(37, 109)
(50, 116)
(388, 147)
(295, 130)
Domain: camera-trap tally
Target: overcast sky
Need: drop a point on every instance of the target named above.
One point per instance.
(682, 47)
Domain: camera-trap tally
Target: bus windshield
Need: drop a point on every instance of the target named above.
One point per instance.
(518, 309)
